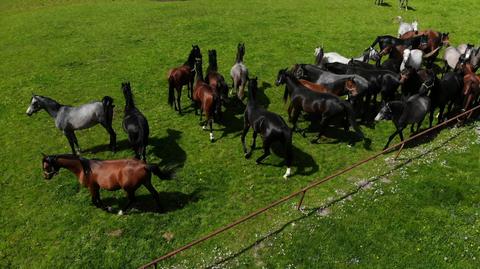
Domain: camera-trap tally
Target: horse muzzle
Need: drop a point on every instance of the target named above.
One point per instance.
(49, 175)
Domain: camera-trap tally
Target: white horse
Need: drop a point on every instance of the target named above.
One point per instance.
(333, 57)
(412, 58)
(452, 55)
(406, 27)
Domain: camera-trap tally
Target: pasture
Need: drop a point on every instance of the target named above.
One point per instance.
(422, 212)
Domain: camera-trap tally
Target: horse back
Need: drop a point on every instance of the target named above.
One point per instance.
(80, 117)
(118, 174)
(181, 74)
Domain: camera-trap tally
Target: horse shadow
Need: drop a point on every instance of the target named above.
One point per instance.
(121, 146)
(230, 121)
(262, 98)
(385, 4)
(303, 162)
(169, 201)
(168, 150)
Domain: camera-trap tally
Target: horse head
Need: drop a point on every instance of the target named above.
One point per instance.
(35, 105)
(281, 77)
(50, 166)
(385, 113)
(351, 87)
(445, 39)
(423, 42)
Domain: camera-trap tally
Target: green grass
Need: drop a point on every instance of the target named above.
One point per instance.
(79, 51)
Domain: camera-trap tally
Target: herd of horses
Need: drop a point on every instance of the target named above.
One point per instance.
(333, 90)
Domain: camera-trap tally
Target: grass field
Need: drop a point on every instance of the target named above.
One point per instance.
(423, 211)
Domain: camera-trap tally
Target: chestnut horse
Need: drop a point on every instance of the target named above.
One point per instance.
(215, 79)
(127, 174)
(205, 98)
(471, 86)
(182, 75)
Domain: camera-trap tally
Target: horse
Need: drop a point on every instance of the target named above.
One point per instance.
(69, 119)
(471, 86)
(405, 27)
(334, 57)
(182, 75)
(269, 125)
(395, 46)
(326, 105)
(206, 99)
(215, 79)
(135, 124)
(403, 4)
(411, 80)
(436, 40)
(402, 113)
(239, 72)
(475, 59)
(126, 174)
(350, 88)
(330, 80)
(448, 94)
(453, 55)
(412, 58)
(392, 65)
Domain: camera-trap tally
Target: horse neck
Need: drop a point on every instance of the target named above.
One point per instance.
(252, 97)
(291, 83)
(129, 103)
(212, 65)
(397, 108)
(190, 61)
(72, 164)
(239, 58)
(318, 58)
(51, 106)
(199, 75)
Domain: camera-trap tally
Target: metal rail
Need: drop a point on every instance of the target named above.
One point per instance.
(303, 191)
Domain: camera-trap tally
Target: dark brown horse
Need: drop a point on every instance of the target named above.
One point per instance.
(215, 79)
(182, 75)
(126, 174)
(205, 98)
(436, 40)
(471, 86)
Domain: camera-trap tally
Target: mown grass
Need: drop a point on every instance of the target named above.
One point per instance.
(78, 51)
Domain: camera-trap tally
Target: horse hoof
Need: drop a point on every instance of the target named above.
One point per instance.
(248, 155)
(120, 213)
(204, 127)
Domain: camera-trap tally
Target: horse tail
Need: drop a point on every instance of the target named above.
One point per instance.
(351, 117)
(108, 106)
(171, 88)
(164, 174)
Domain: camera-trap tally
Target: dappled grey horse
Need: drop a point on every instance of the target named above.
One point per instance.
(412, 58)
(239, 72)
(68, 118)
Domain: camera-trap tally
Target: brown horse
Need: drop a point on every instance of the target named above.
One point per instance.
(215, 79)
(182, 75)
(127, 174)
(471, 86)
(436, 40)
(205, 98)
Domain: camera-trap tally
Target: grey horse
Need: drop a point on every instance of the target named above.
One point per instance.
(68, 118)
(404, 27)
(453, 55)
(239, 72)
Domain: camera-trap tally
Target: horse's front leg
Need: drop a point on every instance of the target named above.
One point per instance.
(398, 131)
(323, 124)
(113, 136)
(254, 144)
(131, 200)
(246, 127)
(71, 140)
(95, 192)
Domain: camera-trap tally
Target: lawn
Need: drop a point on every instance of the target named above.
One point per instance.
(79, 51)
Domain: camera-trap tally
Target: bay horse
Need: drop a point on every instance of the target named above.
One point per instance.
(239, 72)
(206, 99)
(135, 124)
(215, 79)
(436, 40)
(69, 118)
(182, 75)
(126, 174)
(412, 111)
(395, 46)
(326, 105)
(269, 125)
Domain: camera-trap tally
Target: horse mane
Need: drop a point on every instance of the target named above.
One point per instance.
(87, 170)
(49, 101)
(191, 59)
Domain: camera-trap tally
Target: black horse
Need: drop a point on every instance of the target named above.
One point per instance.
(271, 127)
(403, 113)
(135, 124)
(328, 106)
(448, 94)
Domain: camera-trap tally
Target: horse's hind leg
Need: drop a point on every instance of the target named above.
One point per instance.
(179, 93)
(154, 193)
(210, 121)
(266, 149)
(131, 200)
(252, 147)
